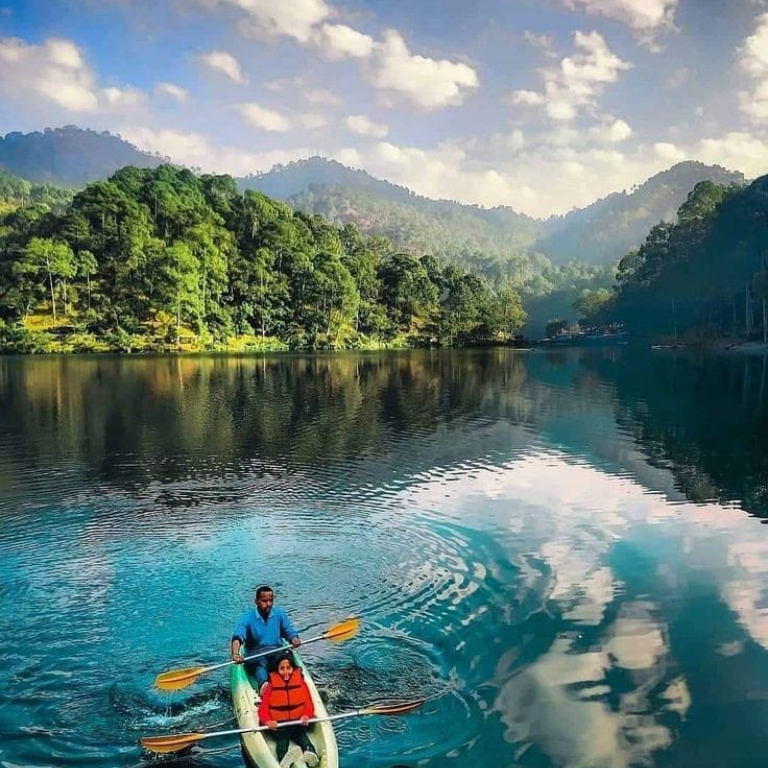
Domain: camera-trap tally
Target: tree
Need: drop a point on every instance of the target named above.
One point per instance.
(53, 259)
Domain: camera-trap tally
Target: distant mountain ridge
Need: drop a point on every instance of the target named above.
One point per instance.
(601, 233)
(415, 223)
(69, 156)
(608, 229)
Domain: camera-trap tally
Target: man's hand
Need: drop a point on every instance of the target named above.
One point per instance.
(296, 642)
(304, 720)
(237, 657)
(272, 724)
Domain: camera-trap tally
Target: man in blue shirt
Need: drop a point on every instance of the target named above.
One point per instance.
(260, 629)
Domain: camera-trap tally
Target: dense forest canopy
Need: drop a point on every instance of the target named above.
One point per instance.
(162, 256)
(705, 276)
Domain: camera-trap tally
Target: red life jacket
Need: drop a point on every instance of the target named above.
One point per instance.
(288, 697)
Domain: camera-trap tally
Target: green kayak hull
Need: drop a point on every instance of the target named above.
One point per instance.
(259, 747)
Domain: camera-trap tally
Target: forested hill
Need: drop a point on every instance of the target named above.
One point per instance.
(704, 277)
(157, 259)
(598, 234)
(464, 234)
(603, 232)
(446, 228)
(69, 156)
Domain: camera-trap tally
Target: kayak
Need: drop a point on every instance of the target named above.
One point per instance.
(259, 748)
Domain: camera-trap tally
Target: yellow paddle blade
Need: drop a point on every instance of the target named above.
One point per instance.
(401, 708)
(176, 679)
(174, 743)
(344, 630)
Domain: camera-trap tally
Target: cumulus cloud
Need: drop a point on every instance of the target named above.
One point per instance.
(266, 18)
(640, 15)
(441, 172)
(221, 61)
(263, 118)
(611, 130)
(544, 43)
(196, 151)
(737, 149)
(322, 96)
(578, 81)
(174, 91)
(753, 58)
(57, 73)
(338, 41)
(123, 97)
(429, 83)
(668, 151)
(311, 121)
(531, 98)
(365, 126)
(54, 71)
(754, 52)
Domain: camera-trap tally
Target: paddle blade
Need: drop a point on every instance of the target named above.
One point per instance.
(344, 630)
(176, 679)
(173, 743)
(401, 708)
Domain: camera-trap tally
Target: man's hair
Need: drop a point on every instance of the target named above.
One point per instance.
(263, 588)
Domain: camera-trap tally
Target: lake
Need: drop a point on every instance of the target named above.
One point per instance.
(564, 550)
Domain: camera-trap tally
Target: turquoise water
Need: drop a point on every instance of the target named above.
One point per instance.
(564, 549)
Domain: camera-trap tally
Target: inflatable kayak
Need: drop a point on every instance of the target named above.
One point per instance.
(259, 748)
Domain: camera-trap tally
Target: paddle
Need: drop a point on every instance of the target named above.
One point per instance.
(176, 679)
(162, 744)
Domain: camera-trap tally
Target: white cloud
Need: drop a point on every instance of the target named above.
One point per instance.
(311, 121)
(515, 140)
(668, 151)
(123, 97)
(54, 71)
(530, 98)
(261, 117)
(612, 131)
(578, 81)
(754, 51)
(221, 61)
(738, 150)
(641, 15)
(322, 96)
(196, 151)
(365, 126)
(754, 60)
(442, 172)
(174, 91)
(430, 83)
(57, 73)
(283, 83)
(542, 42)
(266, 18)
(338, 41)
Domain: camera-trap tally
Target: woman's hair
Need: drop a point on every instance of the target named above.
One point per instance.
(284, 655)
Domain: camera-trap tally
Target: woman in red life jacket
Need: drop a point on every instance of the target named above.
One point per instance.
(287, 697)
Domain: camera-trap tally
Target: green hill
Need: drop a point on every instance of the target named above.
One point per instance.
(69, 156)
(602, 233)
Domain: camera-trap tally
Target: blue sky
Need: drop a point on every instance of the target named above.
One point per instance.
(540, 105)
